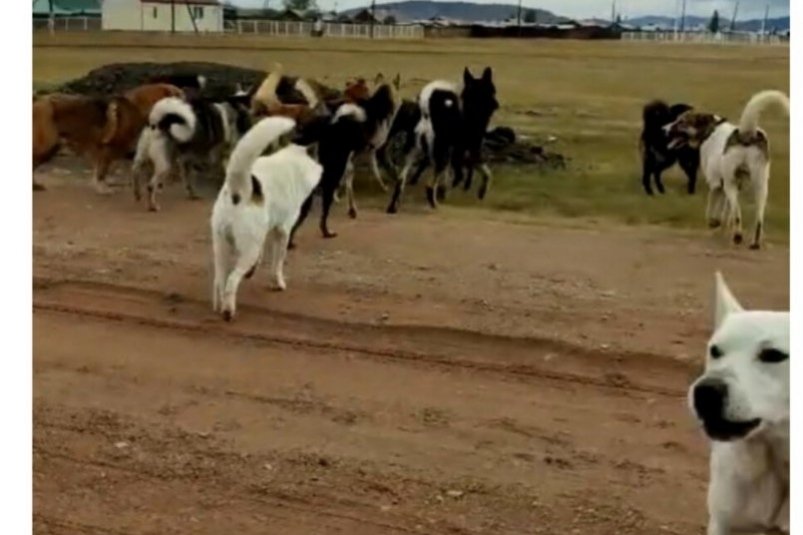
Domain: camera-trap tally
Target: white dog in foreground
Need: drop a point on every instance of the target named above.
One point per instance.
(742, 401)
(260, 199)
(731, 156)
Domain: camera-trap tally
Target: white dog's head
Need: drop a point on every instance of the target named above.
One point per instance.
(745, 388)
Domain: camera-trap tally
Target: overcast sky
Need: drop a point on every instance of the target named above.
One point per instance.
(601, 8)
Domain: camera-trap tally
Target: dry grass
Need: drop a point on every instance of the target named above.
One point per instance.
(587, 94)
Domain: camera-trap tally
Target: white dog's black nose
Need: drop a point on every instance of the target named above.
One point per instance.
(709, 398)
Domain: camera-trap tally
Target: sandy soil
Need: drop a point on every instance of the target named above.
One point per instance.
(424, 373)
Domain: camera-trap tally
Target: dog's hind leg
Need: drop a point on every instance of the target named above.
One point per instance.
(248, 256)
(141, 158)
(186, 177)
(385, 164)
(372, 156)
(302, 215)
(690, 165)
(659, 184)
(434, 190)
(734, 210)
(349, 180)
(278, 239)
(160, 157)
(221, 253)
(326, 201)
(487, 178)
(713, 211)
(646, 174)
(761, 174)
(398, 189)
(102, 164)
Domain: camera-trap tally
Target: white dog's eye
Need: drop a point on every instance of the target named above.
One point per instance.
(772, 356)
(715, 352)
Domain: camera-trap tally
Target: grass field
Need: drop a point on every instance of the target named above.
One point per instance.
(587, 94)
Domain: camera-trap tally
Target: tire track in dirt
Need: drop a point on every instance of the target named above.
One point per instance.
(101, 300)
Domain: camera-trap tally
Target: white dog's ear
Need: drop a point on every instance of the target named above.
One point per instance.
(725, 302)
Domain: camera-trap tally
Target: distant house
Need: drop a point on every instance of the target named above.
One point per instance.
(163, 15)
(295, 15)
(364, 16)
(66, 8)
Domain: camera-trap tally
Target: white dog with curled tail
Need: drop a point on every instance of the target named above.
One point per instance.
(260, 199)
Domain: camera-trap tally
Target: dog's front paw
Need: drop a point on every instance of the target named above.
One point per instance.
(103, 189)
(431, 198)
(755, 246)
(352, 213)
(738, 238)
(279, 285)
(714, 223)
(440, 193)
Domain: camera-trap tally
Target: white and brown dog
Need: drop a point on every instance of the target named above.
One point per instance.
(742, 401)
(729, 156)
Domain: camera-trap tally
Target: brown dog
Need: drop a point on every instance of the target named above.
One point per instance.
(103, 130)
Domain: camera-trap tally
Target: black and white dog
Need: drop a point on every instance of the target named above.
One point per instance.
(656, 156)
(187, 133)
(355, 128)
(450, 132)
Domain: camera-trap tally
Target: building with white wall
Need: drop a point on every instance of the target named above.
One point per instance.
(163, 15)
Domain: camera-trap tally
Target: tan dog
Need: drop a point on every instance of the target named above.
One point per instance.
(266, 103)
(103, 130)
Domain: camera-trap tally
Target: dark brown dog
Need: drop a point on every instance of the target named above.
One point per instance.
(103, 130)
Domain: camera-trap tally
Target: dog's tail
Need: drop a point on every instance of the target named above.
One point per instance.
(303, 87)
(174, 117)
(748, 124)
(266, 93)
(251, 146)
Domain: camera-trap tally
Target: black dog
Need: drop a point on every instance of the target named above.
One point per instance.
(656, 156)
(352, 130)
(449, 132)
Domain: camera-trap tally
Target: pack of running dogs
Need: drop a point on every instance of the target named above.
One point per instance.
(278, 155)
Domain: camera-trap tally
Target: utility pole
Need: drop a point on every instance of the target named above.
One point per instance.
(735, 12)
(613, 12)
(172, 16)
(518, 18)
(764, 22)
(373, 17)
(51, 18)
(683, 17)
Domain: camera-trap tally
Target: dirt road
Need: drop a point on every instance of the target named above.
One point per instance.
(425, 373)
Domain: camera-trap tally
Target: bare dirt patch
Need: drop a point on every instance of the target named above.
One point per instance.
(425, 373)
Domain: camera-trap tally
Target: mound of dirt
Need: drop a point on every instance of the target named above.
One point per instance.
(221, 79)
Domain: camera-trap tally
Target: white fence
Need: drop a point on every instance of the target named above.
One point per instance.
(277, 28)
(68, 24)
(330, 29)
(734, 38)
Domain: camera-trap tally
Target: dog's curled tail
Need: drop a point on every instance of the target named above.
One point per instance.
(112, 120)
(174, 117)
(748, 124)
(251, 147)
